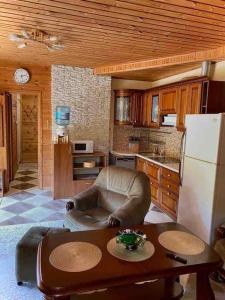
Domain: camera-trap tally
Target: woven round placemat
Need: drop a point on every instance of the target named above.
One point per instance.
(119, 251)
(181, 242)
(75, 257)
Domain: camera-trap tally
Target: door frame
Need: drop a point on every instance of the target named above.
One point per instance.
(40, 139)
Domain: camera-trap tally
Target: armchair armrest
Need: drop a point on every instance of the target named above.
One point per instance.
(84, 200)
(131, 213)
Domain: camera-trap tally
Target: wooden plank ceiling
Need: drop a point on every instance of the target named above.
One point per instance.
(105, 32)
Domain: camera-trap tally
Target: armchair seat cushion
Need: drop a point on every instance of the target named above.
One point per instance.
(91, 219)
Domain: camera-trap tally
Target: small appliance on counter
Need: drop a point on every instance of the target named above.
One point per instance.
(82, 146)
(169, 120)
(134, 144)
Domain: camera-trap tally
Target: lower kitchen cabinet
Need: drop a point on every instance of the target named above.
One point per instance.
(169, 202)
(164, 185)
(154, 191)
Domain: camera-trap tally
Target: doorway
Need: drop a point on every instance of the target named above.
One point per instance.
(25, 120)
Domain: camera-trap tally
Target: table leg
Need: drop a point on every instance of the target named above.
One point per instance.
(170, 288)
(203, 287)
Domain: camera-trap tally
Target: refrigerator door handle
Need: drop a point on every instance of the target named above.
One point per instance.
(181, 165)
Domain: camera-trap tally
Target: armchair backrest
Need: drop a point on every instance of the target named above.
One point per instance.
(118, 185)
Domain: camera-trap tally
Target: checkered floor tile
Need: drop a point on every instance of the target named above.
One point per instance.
(26, 203)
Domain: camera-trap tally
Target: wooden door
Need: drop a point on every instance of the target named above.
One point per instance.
(168, 99)
(29, 129)
(6, 154)
(195, 96)
(182, 106)
(14, 135)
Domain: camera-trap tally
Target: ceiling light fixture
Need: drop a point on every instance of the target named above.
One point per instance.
(50, 41)
(22, 45)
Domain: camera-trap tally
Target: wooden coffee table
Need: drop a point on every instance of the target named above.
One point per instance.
(112, 272)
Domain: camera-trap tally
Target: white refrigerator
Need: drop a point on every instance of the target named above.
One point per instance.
(201, 205)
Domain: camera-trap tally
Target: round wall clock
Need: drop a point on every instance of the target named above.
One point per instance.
(21, 76)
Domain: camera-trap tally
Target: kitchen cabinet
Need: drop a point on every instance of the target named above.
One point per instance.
(122, 107)
(154, 186)
(70, 175)
(128, 107)
(169, 202)
(182, 106)
(141, 165)
(150, 110)
(146, 108)
(168, 101)
(164, 185)
(154, 117)
(195, 95)
(136, 106)
(152, 170)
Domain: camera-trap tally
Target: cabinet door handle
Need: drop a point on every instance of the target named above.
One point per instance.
(169, 175)
(168, 193)
(168, 185)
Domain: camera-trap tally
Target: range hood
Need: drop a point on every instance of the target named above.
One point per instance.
(169, 120)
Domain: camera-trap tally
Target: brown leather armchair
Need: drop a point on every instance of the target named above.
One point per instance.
(119, 197)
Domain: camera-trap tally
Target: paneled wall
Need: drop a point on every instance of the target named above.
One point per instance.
(89, 97)
(29, 128)
(40, 83)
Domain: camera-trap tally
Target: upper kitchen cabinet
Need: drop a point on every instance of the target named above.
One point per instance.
(153, 110)
(136, 107)
(195, 98)
(122, 107)
(168, 101)
(128, 107)
(146, 102)
(202, 97)
(182, 105)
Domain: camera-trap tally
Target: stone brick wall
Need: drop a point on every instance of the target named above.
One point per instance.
(168, 139)
(89, 99)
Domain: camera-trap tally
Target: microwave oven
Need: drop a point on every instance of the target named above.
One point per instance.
(83, 146)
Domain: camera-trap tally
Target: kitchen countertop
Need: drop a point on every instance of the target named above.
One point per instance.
(173, 166)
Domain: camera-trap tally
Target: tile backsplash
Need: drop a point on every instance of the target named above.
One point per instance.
(167, 138)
